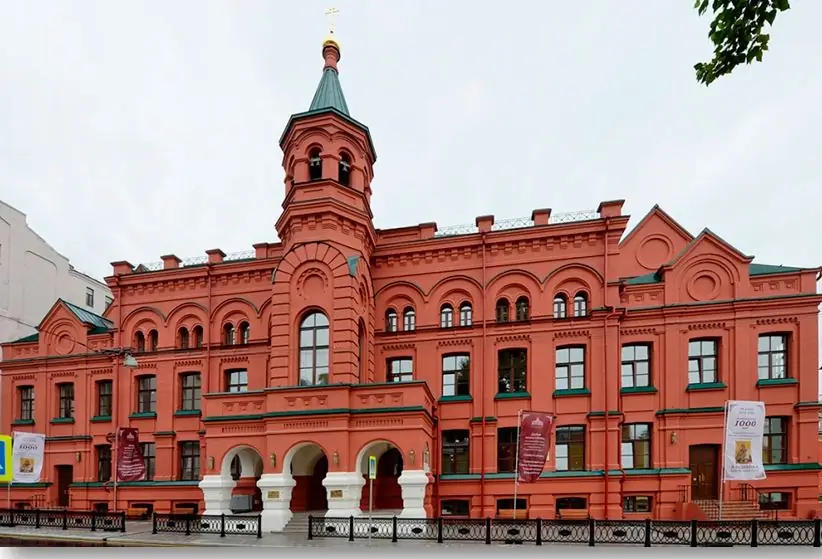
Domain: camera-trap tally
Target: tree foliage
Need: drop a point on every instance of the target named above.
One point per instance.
(737, 34)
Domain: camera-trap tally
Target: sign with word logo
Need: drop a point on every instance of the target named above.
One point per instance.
(372, 467)
(27, 457)
(6, 469)
(130, 463)
(744, 431)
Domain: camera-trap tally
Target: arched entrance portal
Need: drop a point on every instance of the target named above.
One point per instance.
(246, 496)
(387, 490)
(308, 467)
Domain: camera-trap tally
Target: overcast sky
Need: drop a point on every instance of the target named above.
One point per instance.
(129, 130)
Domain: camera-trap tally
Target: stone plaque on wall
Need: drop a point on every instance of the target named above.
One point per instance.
(336, 493)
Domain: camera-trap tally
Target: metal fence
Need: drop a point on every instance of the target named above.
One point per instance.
(64, 519)
(645, 533)
(222, 524)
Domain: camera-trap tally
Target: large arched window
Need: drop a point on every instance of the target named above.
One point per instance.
(560, 306)
(446, 316)
(391, 321)
(182, 338)
(139, 342)
(502, 310)
(228, 334)
(314, 345)
(466, 315)
(409, 320)
(523, 310)
(581, 304)
(198, 336)
(245, 332)
(153, 340)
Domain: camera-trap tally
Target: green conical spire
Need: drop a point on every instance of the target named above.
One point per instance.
(329, 94)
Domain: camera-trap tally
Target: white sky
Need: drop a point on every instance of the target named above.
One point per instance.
(129, 130)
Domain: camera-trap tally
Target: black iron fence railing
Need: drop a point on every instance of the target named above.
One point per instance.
(222, 524)
(645, 533)
(64, 519)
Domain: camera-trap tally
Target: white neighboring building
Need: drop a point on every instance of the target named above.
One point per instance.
(33, 276)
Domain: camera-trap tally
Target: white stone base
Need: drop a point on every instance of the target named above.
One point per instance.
(276, 493)
(217, 494)
(348, 502)
(413, 484)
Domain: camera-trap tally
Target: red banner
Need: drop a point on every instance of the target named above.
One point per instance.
(534, 442)
(130, 463)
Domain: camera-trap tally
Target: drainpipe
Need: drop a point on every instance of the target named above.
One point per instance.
(482, 360)
(207, 334)
(436, 459)
(607, 359)
(115, 402)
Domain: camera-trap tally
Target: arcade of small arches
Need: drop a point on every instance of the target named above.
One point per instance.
(307, 486)
(232, 334)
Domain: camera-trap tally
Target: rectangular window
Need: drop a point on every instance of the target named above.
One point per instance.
(775, 500)
(456, 374)
(66, 395)
(236, 380)
(512, 370)
(109, 301)
(636, 446)
(636, 503)
(103, 462)
(636, 365)
(147, 394)
(189, 461)
(149, 459)
(570, 448)
(89, 297)
(104, 390)
(190, 391)
(775, 441)
(455, 507)
(702, 361)
(506, 449)
(455, 452)
(772, 358)
(26, 398)
(570, 368)
(400, 369)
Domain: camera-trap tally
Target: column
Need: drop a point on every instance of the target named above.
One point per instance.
(413, 484)
(217, 494)
(276, 492)
(344, 494)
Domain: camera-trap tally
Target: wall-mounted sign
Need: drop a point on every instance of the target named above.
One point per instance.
(273, 494)
(336, 493)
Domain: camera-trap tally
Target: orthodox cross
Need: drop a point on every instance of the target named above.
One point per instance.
(331, 13)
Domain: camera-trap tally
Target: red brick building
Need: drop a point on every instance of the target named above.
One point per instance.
(266, 380)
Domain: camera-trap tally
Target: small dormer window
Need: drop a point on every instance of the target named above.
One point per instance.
(345, 170)
(315, 165)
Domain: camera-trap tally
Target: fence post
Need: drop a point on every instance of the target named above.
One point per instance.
(11, 517)
(123, 521)
(539, 531)
(36, 518)
(394, 529)
(351, 528)
(647, 532)
(260, 526)
(222, 525)
(188, 525)
(754, 532)
(693, 533)
(65, 519)
(153, 522)
(487, 530)
(310, 527)
(592, 532)
(439, 529)
(817, 532)
(93, 522)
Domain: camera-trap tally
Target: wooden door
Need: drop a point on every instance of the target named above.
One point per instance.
(704, 465)
(65, 477)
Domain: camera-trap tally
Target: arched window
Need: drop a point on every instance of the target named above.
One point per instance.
(153, 340)
(182, 338)
(581, 304)
(315, 165)
(314, 344)
(523, 310)
(236, 468)
(245, 332)
(344, 169)
(228, 334)
(391, 321)
(560, 306)
(140, 342)
(466, 315)
(198, 336)
(409, 320)
(502, 310)
(446, 316)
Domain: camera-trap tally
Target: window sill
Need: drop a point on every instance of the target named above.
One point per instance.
(572, 392)
(776, 382)
(101, 419)
(512, 395)
(144, 415)
(23, 422)
(59, 420)
(638, 390)
(188, 413)
(456, 398)
(706, 386)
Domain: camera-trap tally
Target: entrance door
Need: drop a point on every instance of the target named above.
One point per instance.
(317, 495)
(65, 477)
(704, 463)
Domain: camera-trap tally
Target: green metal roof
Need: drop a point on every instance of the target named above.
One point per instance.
(329, 94)
(96, 321)
(27, 339)
(753, 270)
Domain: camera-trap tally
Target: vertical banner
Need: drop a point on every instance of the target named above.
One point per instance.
(534, 442)
(744, 433)
(27, 455)
(131, 465)
(5, 459)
